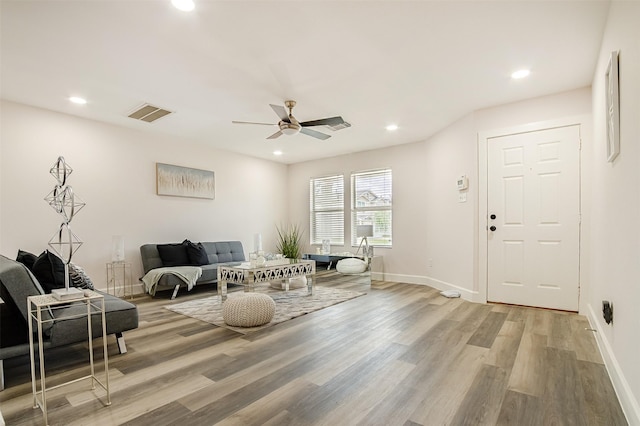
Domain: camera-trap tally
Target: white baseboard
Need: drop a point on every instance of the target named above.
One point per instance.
(378, 276)
(465, 293)
(401, 278)
(628, 402)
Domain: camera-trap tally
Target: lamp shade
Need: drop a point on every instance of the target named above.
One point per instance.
(257, 242)
(117, 248)
(364, 231)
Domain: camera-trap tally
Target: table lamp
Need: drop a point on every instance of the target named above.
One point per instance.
(364, 231)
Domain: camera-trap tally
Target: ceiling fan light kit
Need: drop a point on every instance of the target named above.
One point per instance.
(289, 128)
(289, 125)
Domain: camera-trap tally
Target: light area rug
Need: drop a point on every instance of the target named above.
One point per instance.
(289, 305)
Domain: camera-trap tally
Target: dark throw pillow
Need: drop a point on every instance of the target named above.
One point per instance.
(26, 258)
(79, 278)
(173, 254)
(197, 254)
(49, 270)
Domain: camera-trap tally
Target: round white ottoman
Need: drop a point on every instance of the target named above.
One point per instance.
(248, 310)
(351, 265)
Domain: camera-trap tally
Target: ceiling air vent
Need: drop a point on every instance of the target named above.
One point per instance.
(342, 125)
(149, 113)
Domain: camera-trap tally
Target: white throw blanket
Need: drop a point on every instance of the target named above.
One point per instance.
(188, 274)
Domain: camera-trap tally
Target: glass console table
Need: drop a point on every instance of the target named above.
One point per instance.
(119, 281)
(330, 259)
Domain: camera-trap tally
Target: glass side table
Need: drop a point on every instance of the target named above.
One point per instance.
(36, 305)
(119, 281)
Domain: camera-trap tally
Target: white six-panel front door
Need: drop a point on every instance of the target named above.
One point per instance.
(534, 241)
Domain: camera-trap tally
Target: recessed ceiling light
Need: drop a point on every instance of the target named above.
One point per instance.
(184, 5)
(392, 127)
(77, 100)
(277, 152)
(520, 74)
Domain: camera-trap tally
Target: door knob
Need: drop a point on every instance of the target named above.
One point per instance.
(492, 228)
(493, 216)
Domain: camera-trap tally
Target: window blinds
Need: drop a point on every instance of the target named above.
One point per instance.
(371, 204)
(326, 197)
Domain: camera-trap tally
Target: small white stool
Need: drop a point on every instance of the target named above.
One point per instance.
(248, 310)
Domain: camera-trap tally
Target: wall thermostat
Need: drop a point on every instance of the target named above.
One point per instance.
(462, 183)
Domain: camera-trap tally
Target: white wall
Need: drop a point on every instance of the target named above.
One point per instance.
(573, 103)
(114, 174)
(453, 228)
(562, 109)
(428, 221)
(615, 206)
(451, 225)
(406, 258)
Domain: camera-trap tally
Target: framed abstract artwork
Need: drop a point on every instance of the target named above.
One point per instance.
(179, 181)
(613, 107)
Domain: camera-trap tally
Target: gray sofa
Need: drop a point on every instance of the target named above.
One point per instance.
(17, 283)
(217, 253)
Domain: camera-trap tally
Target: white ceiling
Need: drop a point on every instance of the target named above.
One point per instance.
(420, 64)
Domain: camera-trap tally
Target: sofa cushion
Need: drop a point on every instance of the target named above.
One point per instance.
(70, 325)
(79, 278)
(209, 273)
(17, 283)
(49, 270)
(173, 254)
(224, 251)
(150, 257)
(197, 254)
(26, 258)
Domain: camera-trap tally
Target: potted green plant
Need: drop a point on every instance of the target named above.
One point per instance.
(289, 238)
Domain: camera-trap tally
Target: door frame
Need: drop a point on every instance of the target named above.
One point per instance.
(483, 189)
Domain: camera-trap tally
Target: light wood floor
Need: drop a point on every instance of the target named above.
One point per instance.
(400, 355)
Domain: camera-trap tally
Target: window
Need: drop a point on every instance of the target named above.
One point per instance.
(371, 204)
(326, 197)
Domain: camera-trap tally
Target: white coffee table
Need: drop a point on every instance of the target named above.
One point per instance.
(248, 274)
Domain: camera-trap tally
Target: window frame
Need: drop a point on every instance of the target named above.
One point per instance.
(358, 207)
(340, 211)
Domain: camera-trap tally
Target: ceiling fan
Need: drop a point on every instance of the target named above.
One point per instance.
(289, 125)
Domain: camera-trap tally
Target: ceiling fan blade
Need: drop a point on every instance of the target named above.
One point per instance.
(275, 135)
(280, 112)
(314, 133)
(251, 122)
(332, 121)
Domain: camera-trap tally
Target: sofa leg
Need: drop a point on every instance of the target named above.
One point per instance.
(122, 347)
(175, 292)
(1, 375)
